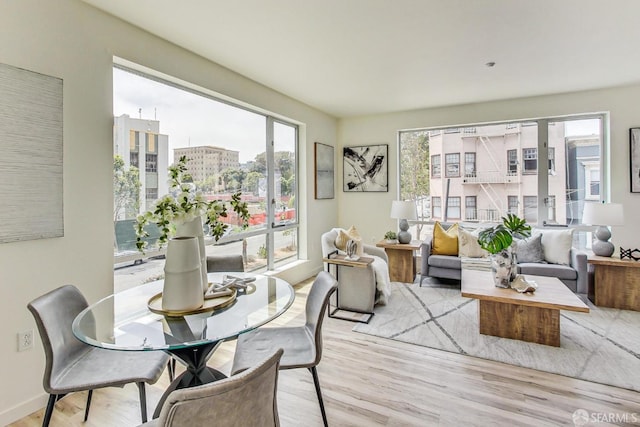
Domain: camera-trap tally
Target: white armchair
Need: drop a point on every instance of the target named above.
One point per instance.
(358, 289)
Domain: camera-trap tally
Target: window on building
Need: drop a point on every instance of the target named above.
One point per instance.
(552, 160)
(453, 208)
(435, 166)
(530, 160)
(512, 162)
(436, 207)
(259, 158)
(530, 208)
(592, 180)
(452, 165)
(512, 204)
(470, 164)
(470, 208)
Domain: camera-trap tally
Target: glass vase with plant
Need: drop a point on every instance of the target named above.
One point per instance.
(498, 241)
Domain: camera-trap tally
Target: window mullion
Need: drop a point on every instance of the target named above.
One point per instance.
(271, 194)
(543, 171)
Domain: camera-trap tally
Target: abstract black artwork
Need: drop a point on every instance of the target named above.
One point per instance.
(365, 168)
(633, 254)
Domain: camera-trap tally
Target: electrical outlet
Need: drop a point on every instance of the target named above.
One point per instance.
(25, 340)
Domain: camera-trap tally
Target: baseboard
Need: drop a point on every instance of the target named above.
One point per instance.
(23, 409)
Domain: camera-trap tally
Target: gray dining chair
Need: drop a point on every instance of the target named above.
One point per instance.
(246, 399)
(302, 345)
(220, 263)
(72, 365)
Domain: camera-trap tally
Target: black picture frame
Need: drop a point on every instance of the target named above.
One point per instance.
(323, 171)
(634, 159)
(365, 168)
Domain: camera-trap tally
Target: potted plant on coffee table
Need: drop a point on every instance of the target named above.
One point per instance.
(498, 241)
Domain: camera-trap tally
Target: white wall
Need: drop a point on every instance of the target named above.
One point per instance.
(370, 211)
(73, 41)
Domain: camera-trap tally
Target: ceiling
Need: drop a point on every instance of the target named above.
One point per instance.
(360, 57)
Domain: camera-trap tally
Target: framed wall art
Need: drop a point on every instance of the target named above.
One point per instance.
(324, 171)
(634, 159)
(365, 168)
(31, 165)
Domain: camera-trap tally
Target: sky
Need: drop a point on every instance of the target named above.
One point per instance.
(189, 119)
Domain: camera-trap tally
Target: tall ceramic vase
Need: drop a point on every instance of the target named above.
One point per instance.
(504, 267)
(193, 228)
(182, 290)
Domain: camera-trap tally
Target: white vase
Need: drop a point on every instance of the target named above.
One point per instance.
(193, 228)
(182, 288)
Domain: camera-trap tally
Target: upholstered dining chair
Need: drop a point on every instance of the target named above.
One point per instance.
(246, 399)
(219, 263)
(302, 345)
(72, 365)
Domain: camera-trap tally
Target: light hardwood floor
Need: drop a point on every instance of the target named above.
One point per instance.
(369, 381)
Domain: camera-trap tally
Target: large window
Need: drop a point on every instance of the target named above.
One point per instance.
(501, 169)
(453, 208)
(230, 148)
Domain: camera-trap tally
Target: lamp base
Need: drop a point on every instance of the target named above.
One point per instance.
(403, 235)
(601, 245)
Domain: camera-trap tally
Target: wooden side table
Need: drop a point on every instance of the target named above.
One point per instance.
(402, 261)
(616, 283)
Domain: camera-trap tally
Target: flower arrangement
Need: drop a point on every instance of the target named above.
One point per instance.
(184, 204)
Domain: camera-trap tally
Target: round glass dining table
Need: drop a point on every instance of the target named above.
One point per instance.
(123, 322)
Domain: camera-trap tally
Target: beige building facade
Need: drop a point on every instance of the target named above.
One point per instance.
(205, 161)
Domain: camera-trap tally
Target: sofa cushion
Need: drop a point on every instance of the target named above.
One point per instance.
(468, 245)
(556, 245)
(445, 242)
(445, 261)
(562, 272)
(530, 250)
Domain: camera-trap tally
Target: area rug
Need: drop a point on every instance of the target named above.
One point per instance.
(602, 346)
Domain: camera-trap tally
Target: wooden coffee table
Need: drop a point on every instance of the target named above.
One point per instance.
(533, 317)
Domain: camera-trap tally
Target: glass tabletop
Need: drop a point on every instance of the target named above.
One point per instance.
(123, 321)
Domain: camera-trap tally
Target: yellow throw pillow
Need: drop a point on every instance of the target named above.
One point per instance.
(345, 236)
(445, 242)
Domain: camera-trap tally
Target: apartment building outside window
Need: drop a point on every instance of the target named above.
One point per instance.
(512, 204)
(452, 165)
(530, 208)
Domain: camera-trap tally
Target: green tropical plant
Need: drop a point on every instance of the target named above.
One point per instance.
(185, 203)
(390, 235)
(500, 237)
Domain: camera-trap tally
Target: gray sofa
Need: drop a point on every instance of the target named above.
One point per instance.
(574, 276)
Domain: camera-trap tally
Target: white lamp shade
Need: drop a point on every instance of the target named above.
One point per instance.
(403, 210)
(603, 214)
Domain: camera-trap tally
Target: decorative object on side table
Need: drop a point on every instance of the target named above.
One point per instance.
(351, 249)
(633, 254)
(178, 215)
(390, 237)
(403, 211)
(498, 242)
(603, 215)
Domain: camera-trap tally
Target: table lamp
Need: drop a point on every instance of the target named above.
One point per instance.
(603, 215)
(403, 211)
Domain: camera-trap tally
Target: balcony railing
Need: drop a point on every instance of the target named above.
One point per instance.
(492, 177)
(482, 215)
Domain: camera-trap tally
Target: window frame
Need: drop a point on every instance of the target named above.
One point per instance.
(271, 227)
(455, 165)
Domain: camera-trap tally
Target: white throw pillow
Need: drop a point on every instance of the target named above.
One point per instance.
(468, 245)
(556, 245)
